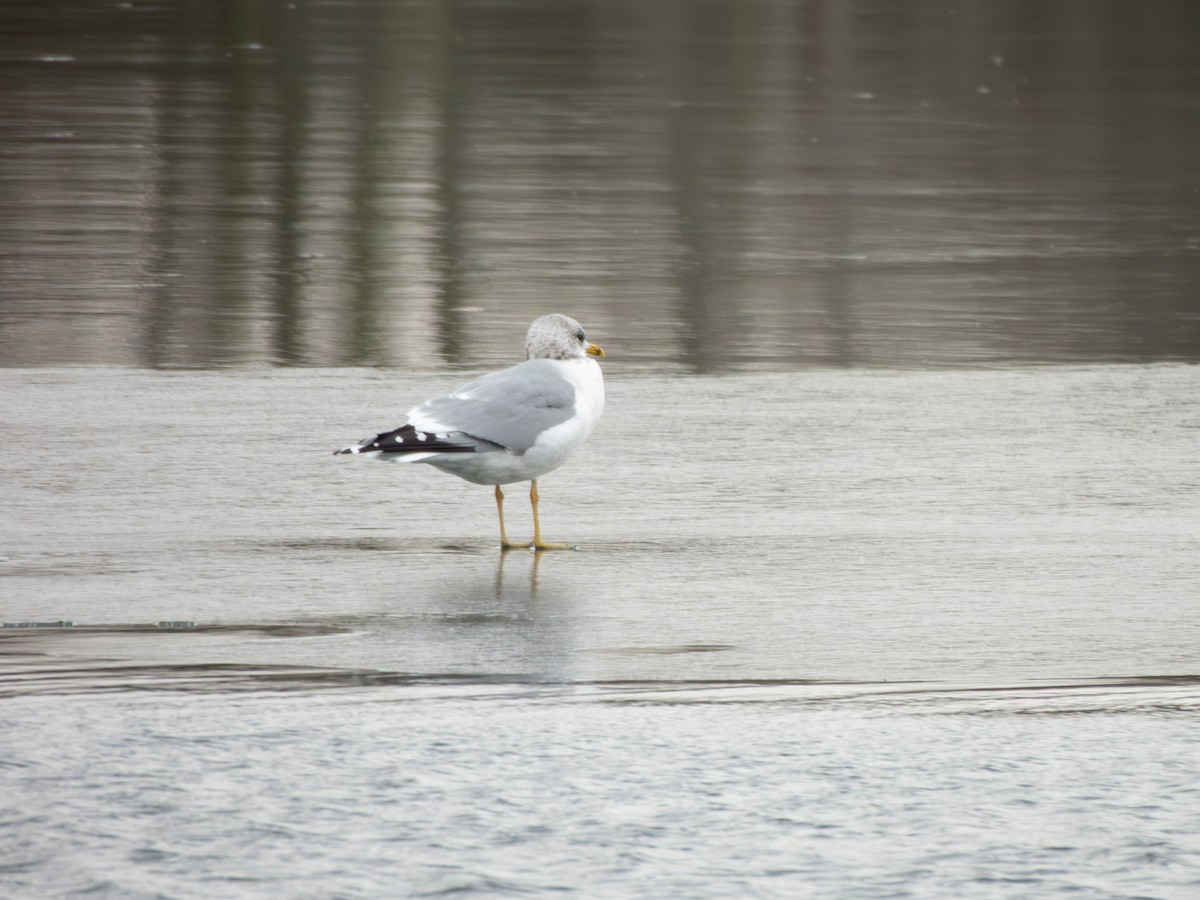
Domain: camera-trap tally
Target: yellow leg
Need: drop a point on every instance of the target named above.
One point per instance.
(500, 512)
(538, 543)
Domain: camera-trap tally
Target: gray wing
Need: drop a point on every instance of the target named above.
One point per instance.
(510, 408)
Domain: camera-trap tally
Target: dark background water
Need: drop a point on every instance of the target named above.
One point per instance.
(710, 186)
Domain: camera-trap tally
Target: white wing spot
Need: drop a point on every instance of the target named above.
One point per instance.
(399, 439)
(421, 436)
(376, 444)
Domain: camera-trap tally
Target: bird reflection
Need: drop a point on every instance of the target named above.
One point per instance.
(505, 552)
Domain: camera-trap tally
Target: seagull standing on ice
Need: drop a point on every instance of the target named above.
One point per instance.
(513, 425)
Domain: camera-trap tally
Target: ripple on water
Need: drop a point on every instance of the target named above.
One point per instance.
(364, 785)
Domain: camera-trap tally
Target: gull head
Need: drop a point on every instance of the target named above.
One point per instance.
(558, 337)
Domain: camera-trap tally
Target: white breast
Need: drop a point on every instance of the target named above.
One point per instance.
(555, 445)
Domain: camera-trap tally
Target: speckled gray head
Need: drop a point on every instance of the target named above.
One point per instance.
(558, 337)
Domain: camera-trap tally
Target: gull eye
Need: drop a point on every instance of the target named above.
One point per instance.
(579, 334)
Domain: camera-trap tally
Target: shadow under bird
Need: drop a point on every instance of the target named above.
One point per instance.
(508, 426)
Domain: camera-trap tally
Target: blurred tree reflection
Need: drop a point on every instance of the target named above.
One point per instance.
(714, 185)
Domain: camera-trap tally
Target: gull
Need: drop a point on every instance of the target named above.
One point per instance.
(508, 426)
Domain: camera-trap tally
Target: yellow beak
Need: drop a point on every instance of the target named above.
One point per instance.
(594, 350)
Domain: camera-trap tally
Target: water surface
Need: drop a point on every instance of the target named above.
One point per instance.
(941, 644)
(753, 184)
(887, 575)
